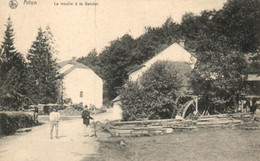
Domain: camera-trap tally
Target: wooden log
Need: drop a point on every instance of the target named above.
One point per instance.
(123, 131)
(184, 127)
(211, 119)
(138, 128)
(124, 135)
(140, 132)
(213, 126)
(252, 128)
(168, 130)
(219, 116)
(219, 122)
(157, 132)
(119, 123)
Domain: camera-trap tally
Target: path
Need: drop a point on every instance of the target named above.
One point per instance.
(37, 145)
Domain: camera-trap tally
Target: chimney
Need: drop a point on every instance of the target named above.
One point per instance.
(73, 60)
(182, 43)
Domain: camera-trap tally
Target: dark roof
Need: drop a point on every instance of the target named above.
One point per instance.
(135, 69)
(71, 62)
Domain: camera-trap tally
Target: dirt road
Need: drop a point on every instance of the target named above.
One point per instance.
(36, 145)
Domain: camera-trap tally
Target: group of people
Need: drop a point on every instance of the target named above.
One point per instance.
(55, 117)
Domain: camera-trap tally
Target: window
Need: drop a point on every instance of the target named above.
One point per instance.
(81, 94)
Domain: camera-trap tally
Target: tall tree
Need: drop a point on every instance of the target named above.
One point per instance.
(224, 41)
(12, 72)
(42, 69)
(114, 62)
(92, 61)
(239, 21)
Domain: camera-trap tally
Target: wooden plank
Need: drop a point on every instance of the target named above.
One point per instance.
(184, 127)
(146, 122)
(140, 132)
(123, 131)
(138, 128)
(219, 116)
(219, 122)
(213, 126)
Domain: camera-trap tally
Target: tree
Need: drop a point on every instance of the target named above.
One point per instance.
(218, 75)
(126, 53)
(239, 22)
(12, 73)
(155, 95)
(43, 73)
(92, 61)
(114, 61)
(154, 40)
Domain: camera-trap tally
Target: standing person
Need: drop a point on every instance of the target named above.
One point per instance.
(86, 116)
(35, 114)
(253, 109)
(54, 122)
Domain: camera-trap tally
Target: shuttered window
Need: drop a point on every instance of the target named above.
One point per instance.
(81, 94)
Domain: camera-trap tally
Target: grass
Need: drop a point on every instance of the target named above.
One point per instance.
(200, 145)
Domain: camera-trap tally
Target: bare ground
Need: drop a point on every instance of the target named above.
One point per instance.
(36, 145)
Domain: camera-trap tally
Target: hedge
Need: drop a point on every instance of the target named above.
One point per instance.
(11, 121)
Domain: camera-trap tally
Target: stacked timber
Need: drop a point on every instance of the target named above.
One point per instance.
(222, 120)
(241, 116)
(167, 126)
(148, 127)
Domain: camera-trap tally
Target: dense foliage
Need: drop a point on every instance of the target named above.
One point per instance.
(224, 53)
(126, 53)
(12, 73)
(42, 75)
(226, 44)
(11, 121)
(155, 95)
(23, 83)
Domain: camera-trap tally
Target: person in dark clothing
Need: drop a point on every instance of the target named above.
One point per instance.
(86, 121)
(253, 109)
(86, 116)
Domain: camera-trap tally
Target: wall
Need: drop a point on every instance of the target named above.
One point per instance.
(87, 81)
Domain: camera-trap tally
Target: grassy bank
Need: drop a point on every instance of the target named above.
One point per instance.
(11, 121)
(202, 144)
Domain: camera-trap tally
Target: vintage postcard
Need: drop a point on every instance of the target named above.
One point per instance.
(117, 80)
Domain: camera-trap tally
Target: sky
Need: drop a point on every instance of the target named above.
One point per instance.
(78, 29)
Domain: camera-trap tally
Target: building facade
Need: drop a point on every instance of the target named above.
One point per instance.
(82, 85)
(175, 53)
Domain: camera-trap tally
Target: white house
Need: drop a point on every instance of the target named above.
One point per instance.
(81, 84)
(175, 52)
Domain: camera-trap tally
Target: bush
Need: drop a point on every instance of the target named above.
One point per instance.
(11, 121)
(154, 95)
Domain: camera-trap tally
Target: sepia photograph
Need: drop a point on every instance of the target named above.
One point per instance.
(130, 80)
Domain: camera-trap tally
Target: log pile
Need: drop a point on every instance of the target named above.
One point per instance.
(148, 127)
(217, 121)
(167, 126)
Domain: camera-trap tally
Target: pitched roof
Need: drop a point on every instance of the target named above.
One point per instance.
(73, 65)
(172, 49)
